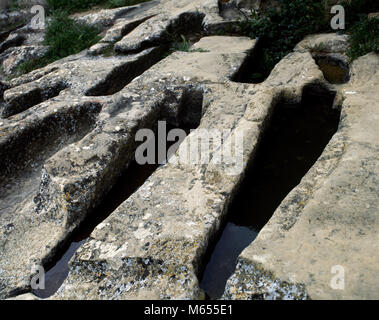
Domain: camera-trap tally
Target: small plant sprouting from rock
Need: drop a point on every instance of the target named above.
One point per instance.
(182, 45)
(320, 47)
(108, 51)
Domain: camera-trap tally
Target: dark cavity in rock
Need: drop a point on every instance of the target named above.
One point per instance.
(254, 68)
(129, 182)
(291, 143)
(156, 52)
(31, 98)
(335, 71)
(125, 73)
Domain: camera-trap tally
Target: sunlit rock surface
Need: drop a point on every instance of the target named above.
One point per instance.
(67, 133)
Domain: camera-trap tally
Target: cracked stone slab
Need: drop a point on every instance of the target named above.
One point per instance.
(14, 39)
(75, 77)
(14, 57)
(75, 178)
(106, 18)
(336, 223)
(326, 42)
(140, 26)
(152, 246)
(156, 29)
(179, 17)
(330, 47)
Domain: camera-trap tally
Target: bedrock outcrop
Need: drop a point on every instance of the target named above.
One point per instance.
(96, 133)
(67, 134)
(153, 245)
(326, 227)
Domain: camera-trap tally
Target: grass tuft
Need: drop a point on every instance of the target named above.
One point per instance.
(181, 45)
(64, 37)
